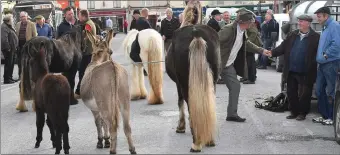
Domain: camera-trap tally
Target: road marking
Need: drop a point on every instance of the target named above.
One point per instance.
(310, 132)
(8, 88)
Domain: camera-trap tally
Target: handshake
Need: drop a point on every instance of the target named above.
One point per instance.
(267, 53)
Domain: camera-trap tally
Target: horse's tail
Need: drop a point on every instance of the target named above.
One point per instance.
(25, 80)
(154, 52)
(115, 99)
(201, 91)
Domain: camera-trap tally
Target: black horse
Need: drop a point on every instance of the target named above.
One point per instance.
(52, 96)
(63, 56)
(193, 63)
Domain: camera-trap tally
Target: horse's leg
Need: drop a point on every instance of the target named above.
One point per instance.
(58, 140)
(52, 131)
(125, 112)
(66, 130)
(21, 106)
(143, 91)
(181, 123)
(106, 134)
(40, 122)
(135, 90)
(99, 125)
(113, 132)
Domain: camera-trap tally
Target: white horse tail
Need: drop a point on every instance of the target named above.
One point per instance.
(115, 99)
(155, 72)
(201, 91)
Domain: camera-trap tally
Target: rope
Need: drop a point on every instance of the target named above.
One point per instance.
(134, 63)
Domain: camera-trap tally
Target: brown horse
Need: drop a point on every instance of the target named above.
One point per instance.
(51, 95)
(193, 62)
(105, 91)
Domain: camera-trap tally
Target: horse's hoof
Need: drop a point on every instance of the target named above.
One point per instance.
(142, 97)
(99, 145)
(112, 152)
(180, 130)
(66, 152)
(195, 151)
(57, 152)
(133, 152)
(107, 144)
(134, 98)
(210, 144)
(37, 145)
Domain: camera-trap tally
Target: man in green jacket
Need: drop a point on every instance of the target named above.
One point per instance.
(234, 44)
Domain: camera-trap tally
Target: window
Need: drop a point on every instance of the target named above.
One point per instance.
(146, 3)
(220, 3)
(116, 4)
(90, 4)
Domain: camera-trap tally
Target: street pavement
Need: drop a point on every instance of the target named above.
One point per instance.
(153, 126)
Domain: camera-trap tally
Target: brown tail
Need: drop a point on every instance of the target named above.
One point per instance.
(155, 70)
(201, 91)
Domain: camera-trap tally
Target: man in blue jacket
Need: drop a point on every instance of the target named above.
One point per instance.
(43, 29)
(328, 59)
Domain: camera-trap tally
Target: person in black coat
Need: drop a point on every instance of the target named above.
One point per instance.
(135, 16)
(213, 22)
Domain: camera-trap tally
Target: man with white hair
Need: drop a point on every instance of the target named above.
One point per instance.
(25, 30)
(9, 44)
(226, 19)
(168, 26)
(299, 50)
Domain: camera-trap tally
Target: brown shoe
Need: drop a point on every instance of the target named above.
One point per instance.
(301, 117)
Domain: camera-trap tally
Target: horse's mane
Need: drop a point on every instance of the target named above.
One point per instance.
(71, 36)
(192, 13)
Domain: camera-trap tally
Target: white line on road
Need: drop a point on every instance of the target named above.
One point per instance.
(8, 88)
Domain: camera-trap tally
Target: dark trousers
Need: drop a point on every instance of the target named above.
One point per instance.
(299, 93)
(9, 65)
(125, 30)
(264, 59)
(21, 44)
(251, 67)
(81, 71)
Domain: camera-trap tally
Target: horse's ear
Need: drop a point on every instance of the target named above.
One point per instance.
(91, 37)
(109, 36)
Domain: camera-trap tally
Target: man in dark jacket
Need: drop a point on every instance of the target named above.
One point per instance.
(213, 22)
(135, 16)
(299, 50)
(66, 25)
(168, 26)
(9, 45)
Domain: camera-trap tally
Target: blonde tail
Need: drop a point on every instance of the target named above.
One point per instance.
(155, 72)
(201, 92)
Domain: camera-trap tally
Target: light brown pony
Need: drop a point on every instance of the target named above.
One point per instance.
(192, 13)
(105, 91)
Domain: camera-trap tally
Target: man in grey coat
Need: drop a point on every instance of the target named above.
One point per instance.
(9, 45)
(234, 44)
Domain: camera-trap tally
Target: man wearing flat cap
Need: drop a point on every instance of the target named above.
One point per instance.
(213, 22)
(234, 44)
(328, 58)
(299, 50)
(43, 29)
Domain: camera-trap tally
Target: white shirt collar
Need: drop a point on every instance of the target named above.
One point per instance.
(239, 29)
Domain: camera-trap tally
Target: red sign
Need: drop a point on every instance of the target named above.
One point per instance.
(94, 13)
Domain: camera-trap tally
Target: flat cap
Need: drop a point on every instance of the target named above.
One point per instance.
(39, 17)
(305, 17)
(136, 12)
(323, 10)
(215, 12)
(246, 16)
(241, 9)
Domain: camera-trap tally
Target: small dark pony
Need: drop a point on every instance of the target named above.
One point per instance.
(52, 96)
(63, 55)
(193, 63)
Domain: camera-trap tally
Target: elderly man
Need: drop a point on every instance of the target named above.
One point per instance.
(234, 44)
(43, 29)
(328, 58)
(168, 26)
(25, 30)
(9, 44)
(226, 19)
(299, 50)
(213, 22)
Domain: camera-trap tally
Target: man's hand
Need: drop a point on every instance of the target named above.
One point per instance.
(163, 37)
(267, 53)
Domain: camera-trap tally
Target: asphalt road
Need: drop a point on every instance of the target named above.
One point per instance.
(153, 126)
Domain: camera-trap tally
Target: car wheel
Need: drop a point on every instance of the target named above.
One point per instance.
(336, 118)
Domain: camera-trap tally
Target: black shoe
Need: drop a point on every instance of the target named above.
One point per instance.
(301, 117)
(220, 81)
(291, 116)
(15, 80)
(248, 82)
(262, 67)
(242, 79)
(236, 119)
(74, 101)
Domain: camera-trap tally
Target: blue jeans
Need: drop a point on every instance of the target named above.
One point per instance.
(325, 87)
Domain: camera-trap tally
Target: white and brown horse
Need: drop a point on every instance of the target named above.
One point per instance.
(105, 91)
(151, 47)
